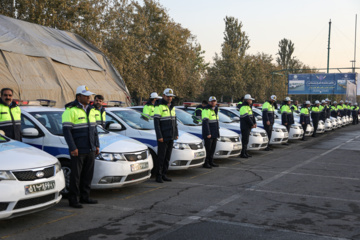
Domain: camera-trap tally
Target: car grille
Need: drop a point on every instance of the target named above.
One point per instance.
(31, 175)
(194, 146)
(235, 152)
(136, 176)
(263, 145)
(197, 161)
(136, 156)
(263, 134)
(235, 139)
(3, 206)
(34, 201)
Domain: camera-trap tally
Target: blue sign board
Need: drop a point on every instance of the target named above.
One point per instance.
(320, 83)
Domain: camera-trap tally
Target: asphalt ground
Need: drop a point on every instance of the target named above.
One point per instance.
(307, 190)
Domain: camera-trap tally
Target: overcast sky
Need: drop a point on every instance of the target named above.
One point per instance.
(266, 22)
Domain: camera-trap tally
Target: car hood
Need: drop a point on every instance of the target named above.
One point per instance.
(117, 143)
(17, 156)
(187, 138)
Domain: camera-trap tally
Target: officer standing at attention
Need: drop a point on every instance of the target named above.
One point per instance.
(79, 129)
(328, 109)
(334, 110)
(315, 116)
(210, 131)
(286, 115)
(349, 107)
(322, 109)
(294, 107)
(355, 113)
(10, 115)
(238, 106)
(166, 132)
(305, 117)
(247, 122)
(100, 113)
(199, 108)
(341, 108)
(268, 118)
(346, 108)
(149, 107)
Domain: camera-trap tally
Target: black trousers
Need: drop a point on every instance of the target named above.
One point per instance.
(82, 171)
(315, 123)
(268, 129)
(210, 146)
(355, 119)
(245, 135)
(164, 155)
(304, 126)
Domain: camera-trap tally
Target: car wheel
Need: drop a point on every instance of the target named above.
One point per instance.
(154, 157)
(65, 166)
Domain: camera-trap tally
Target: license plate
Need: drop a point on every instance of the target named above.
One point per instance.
(286, 135)
(237, 146)
(39, 187)
(199, 154)
(265, 139)
(138, 166)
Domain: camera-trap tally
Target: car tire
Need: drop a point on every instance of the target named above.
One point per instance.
(65, 166)
(154, 157)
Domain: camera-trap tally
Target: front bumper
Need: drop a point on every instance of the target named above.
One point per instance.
(185, 159)
(227, 149)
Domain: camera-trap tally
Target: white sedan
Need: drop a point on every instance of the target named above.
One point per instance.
(30, 179)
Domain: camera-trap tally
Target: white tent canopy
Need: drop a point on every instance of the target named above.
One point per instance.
(42, 62)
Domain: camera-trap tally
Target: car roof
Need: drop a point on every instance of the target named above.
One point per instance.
(110, 109)
(40, 109)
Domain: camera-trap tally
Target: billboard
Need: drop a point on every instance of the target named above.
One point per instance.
(320, 83)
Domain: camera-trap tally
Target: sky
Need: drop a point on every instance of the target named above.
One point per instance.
(266, 22)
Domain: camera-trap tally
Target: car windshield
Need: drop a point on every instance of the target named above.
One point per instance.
(135, 119)
(186, 118)
(3, 139)
(230, 113)
(52, 121)
(224, 119)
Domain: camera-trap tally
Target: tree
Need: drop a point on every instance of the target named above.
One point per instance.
(286, 49)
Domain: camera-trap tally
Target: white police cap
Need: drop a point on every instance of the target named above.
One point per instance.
(317, 102)
(169, 92)
(155, 95)
(308, 103)
(212, 98)
(273, 97)
(248, 97)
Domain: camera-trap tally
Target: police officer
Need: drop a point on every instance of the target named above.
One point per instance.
(166, 132)
(334, 111)
(10, 115)
(341, 108)
(315, 116)
(305, 117)
(287, 117)
(238, 106)
(268, 117)
(100, 113)
(355, 113)
(79, 129)
(346, 108)
(294, 107)
(322, 109)
(247, 122)
(328, 109)
(210, 131)
(199, 108)
(148, 110)
(349, 109)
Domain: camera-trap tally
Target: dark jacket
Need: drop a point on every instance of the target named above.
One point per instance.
(323, 113)
(315, 116)
(165, 126)
(84, 139)
(12, 129)
(268, 115)
(211, 126)
(304, 117)
(198, 110)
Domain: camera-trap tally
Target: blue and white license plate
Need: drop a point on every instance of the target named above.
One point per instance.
(39, 187)
(265, 139)
(199, 154)
(139, 166)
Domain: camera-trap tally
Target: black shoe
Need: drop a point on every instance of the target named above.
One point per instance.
(271, 149)
(267, 149)
(303, 140)
(243, 156)
(247, 154)
(314, 136)
(88, 201)
(286, 144)
(159, 179)
(165, 178)
(206, 165)
(75, 205)
(214, 165)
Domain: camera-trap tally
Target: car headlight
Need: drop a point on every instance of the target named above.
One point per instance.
(277, 129)
(255, 134)
(6, 175)
(224, 139)
(57, 167)
(111, 157)
(181, 146)
(294, 127)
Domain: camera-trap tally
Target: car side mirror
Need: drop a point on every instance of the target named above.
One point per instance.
(259, 117)
(236, 119)
(115, 127)
(30, 132)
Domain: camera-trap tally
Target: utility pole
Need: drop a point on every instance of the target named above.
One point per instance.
(328, 58)
(355, 44)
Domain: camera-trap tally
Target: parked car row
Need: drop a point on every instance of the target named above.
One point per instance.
(38, 174)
